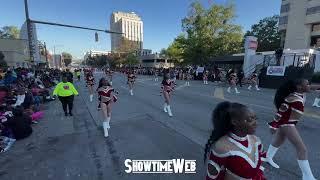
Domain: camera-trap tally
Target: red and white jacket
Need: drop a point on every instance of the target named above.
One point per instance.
(131, 78)
(105, 93)
(289, 112)
(90, 80)
(235, 157)
(167, 86)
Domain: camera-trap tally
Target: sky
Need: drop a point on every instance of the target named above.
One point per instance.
(161, 18)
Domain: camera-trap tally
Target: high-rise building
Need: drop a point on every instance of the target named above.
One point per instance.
(130, 24)
(299, 23)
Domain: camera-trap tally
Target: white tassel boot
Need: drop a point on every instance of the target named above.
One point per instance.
(169, 111)
(91, 97)
(257, 88)
(105, 129)
(249, 88)
(316, 102)
(270, 154)
(165, 107)
(229, 90)
(236, 89)
(108, 122)
(306, 171)
(131, 92)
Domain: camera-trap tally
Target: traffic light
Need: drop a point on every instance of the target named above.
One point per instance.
(96, 37)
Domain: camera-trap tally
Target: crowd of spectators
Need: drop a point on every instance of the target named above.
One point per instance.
(22, 92)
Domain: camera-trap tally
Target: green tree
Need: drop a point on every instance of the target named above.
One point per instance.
(67, 58)
(131, 60)
(208, 33)
(3, 63)
(267, 33)
(175, 51)
(11, 32)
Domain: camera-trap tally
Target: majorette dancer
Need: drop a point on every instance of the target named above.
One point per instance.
(232, 151)
(205, 77)
(131, 80)
(90, 83)
(167, 88)
(289, 100)
(156, 74)
(189, 77)
(254, 81)
(233, 81)
(109, 75)
(105, 91)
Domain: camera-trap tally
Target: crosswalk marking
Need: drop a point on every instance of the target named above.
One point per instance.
(218, 93)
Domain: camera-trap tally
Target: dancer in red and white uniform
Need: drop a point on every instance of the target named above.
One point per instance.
(109, 73)
(131, 80)
(233, 81)
(90, 83)
(105, 91)
(232, 151)
(289, 101)
(167, 89)
(254, 81)
(189, 77)
(156, 74)
(205, 77)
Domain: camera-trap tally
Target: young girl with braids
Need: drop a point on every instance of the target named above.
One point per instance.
(289, 101)
(232, 151)
(106, 98)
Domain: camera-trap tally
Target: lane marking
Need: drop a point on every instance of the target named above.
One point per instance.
(218, 93)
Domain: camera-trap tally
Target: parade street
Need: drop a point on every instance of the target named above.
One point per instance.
(69, 148)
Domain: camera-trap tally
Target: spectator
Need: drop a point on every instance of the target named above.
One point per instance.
(19, 124)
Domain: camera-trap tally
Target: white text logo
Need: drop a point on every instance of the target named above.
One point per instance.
(160, 166)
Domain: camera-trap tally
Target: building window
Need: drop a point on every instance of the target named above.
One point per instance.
(285, 8)
(313, 10)
(283, 20)
(160, 60)
(315, 27)
(315, 41)
(148, 61)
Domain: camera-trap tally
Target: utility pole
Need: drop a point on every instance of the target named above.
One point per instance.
(29, 31)
(45, 53)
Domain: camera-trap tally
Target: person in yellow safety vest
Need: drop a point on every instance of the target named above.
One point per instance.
(65, 92)
(78, 73)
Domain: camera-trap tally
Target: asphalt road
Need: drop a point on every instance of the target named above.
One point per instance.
(74, 147)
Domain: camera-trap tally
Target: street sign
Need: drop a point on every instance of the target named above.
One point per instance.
(276, 70)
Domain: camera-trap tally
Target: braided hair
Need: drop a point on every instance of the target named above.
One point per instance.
(221, 119)
(284, 90)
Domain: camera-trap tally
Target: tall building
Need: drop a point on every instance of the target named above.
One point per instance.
(299, 23)
(130, 24)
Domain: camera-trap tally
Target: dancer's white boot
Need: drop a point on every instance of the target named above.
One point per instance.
(169, 111)
(105, 129)
(165, 107)
(306, 170)
(270, 154)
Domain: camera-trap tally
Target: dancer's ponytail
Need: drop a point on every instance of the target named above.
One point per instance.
(284, 90)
